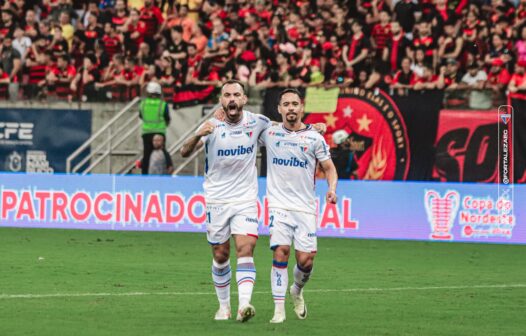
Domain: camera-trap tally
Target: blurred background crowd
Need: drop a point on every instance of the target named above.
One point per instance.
(101, 50)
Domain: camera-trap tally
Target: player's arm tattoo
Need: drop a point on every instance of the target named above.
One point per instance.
(193, 143)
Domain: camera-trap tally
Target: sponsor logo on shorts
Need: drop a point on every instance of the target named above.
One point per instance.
(311, 234)
(251, 220)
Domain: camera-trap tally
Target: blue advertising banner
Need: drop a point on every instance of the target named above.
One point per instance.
(40, 140)
(461, 212)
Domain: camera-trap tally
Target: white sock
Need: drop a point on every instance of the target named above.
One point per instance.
(279, 279)
(246, 277)
(221, 275)
(301, 277)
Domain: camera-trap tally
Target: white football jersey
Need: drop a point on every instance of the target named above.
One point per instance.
(291, 167)
(230, 164)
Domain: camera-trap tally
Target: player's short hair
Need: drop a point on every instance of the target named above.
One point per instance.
(232, 82)
(294, 91)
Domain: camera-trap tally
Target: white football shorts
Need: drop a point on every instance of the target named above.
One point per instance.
(287, 227)
(226, 219)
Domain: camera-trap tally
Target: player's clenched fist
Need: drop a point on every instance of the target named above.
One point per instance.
(331, 197)
(205, 129)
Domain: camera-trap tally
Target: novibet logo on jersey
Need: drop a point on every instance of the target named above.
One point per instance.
(240, 150)
(292, 162)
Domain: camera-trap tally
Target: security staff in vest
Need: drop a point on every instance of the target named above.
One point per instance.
(156, 117)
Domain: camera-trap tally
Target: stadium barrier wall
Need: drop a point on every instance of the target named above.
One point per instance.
(40, 140)
(365, 209)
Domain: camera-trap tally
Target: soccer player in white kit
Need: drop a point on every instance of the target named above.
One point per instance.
(231, 192)
(293, 151)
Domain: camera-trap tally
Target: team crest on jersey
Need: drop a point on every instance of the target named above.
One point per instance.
(249, 134)
(278, 143)
(304, 148)
(223, 135)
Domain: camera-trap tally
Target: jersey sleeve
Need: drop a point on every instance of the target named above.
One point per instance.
(264, 122)
(262, 140)
(321, 150)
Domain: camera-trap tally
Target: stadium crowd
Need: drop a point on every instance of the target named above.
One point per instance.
(110, 49)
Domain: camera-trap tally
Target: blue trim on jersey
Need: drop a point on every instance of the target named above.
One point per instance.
(206, 158)
(307, 128)
(314, 173)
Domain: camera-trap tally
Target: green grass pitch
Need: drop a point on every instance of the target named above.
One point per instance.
(144, 283)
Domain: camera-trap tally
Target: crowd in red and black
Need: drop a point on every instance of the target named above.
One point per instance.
(110, 49)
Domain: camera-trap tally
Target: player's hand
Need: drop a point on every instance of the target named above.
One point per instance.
(331, 197)
(219, 114)
(320, 127)
(205, 129)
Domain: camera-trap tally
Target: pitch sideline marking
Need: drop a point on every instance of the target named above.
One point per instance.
(388, 289)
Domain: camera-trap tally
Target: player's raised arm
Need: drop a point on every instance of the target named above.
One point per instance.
(332, 179)
(195, 142)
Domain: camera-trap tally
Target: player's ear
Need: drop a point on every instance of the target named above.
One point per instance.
(245, 99)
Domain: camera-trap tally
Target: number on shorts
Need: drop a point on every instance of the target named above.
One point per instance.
(271, 218)
(208, 217)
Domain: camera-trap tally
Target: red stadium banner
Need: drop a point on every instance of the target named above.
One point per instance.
(467, 146)
(377, 133)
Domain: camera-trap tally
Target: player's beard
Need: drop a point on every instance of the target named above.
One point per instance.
(233, 111)
(291, 118)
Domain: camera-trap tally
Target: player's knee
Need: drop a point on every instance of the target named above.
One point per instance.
(221, 255)
(220, 258)
(281, 253)
(306, 263)
(245, 250)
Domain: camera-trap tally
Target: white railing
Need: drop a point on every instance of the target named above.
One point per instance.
(112, 138)
(174, 148)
